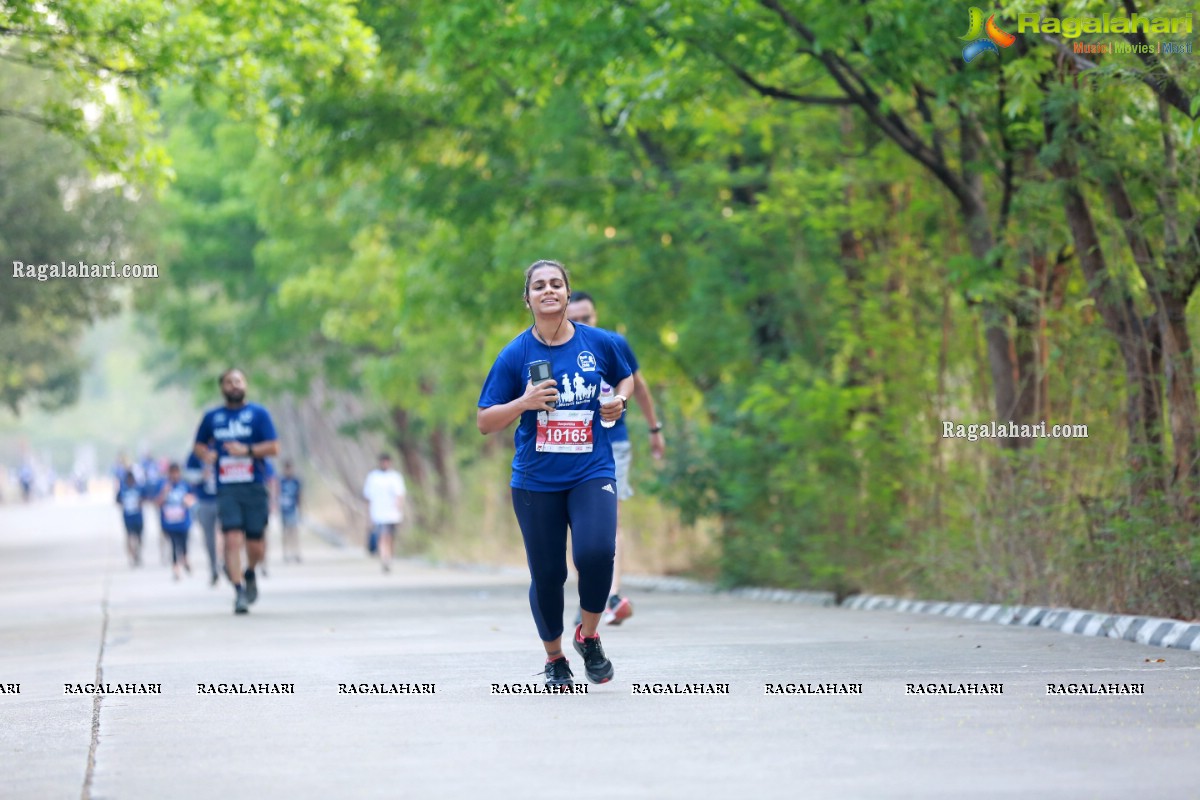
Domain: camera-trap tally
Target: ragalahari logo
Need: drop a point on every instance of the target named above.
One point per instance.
(984, 37)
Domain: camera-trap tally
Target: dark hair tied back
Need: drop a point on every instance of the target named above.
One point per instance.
(546, 263)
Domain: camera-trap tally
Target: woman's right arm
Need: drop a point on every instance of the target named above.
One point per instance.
(498, 417)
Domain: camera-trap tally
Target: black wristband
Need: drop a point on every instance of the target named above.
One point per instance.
(656, 429)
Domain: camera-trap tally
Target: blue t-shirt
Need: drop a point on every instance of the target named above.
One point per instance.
(289, 494)
(176, 517)
(130, 498)
(249, 425)
(578, 366)
(618, 432)
(201, 477)
(152, 478)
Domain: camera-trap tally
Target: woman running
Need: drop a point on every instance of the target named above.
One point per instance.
(563, 471)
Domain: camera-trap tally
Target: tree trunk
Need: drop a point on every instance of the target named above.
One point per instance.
(1170, 287)
(1180, 372)
(1138, 342)
(449, 488)
(416, 475)
(1002, 358)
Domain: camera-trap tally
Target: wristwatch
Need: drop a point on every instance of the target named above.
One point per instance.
(657, 428)
(624, 402)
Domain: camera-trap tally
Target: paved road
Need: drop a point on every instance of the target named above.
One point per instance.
(72, 610)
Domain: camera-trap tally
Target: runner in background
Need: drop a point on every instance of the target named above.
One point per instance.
(384, 492)
(272, 502)
(237, 438)
(25, 476)
(130, 498)
(151, 479)
(175, 503)
(289, 512)
(203, 480)
(582, 310)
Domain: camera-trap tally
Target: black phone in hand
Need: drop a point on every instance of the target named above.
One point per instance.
(539, 372)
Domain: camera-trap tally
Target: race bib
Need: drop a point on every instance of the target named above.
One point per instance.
(237, 469)
(132, 503)
(564, 432)
(174, 513)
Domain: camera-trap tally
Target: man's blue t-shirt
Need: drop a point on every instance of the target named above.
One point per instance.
(578, 366)
(174, 514)
(618, 432)
(248, 425)
(289, 494)
(130, 498)
(201, 477)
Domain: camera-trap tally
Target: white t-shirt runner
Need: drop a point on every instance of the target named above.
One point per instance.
(385, 491)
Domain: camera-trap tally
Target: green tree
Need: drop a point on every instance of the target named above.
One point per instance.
(111, 56)
(824, 232)
(50, 211)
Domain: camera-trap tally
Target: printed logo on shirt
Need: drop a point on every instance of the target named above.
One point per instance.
(586, 361)
(235, 430)
(575, 392)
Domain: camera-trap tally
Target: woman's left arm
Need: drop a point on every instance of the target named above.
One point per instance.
(613, 411)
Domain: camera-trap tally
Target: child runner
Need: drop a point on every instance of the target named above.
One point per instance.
(289, 510)
(175, 503)
(129, 497)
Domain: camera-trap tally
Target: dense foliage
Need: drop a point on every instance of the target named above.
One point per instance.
(823, 231)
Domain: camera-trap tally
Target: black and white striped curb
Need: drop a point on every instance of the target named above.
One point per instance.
(1154, 631)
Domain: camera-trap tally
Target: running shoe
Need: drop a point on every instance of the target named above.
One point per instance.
(558, 673)
(619, 609)
(240, 605)
(251, 586)
(597, 666)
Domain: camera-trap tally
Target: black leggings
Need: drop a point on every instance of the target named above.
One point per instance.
(590, 510)
(178, 545)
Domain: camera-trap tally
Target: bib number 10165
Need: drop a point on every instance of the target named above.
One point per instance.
(564, 432)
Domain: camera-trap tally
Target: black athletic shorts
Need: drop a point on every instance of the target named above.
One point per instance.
(243, 507)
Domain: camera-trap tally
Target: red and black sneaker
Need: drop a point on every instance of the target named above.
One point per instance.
(619, 609)
(597, 666)
(558, 674)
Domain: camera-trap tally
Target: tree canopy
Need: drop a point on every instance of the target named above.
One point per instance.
(823, 230)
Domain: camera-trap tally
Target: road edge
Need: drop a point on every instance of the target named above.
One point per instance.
(1153, 631)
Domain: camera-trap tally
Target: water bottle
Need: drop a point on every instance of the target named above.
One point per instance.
(606, 397)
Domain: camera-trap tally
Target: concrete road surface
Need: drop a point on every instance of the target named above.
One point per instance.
(75, 615)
